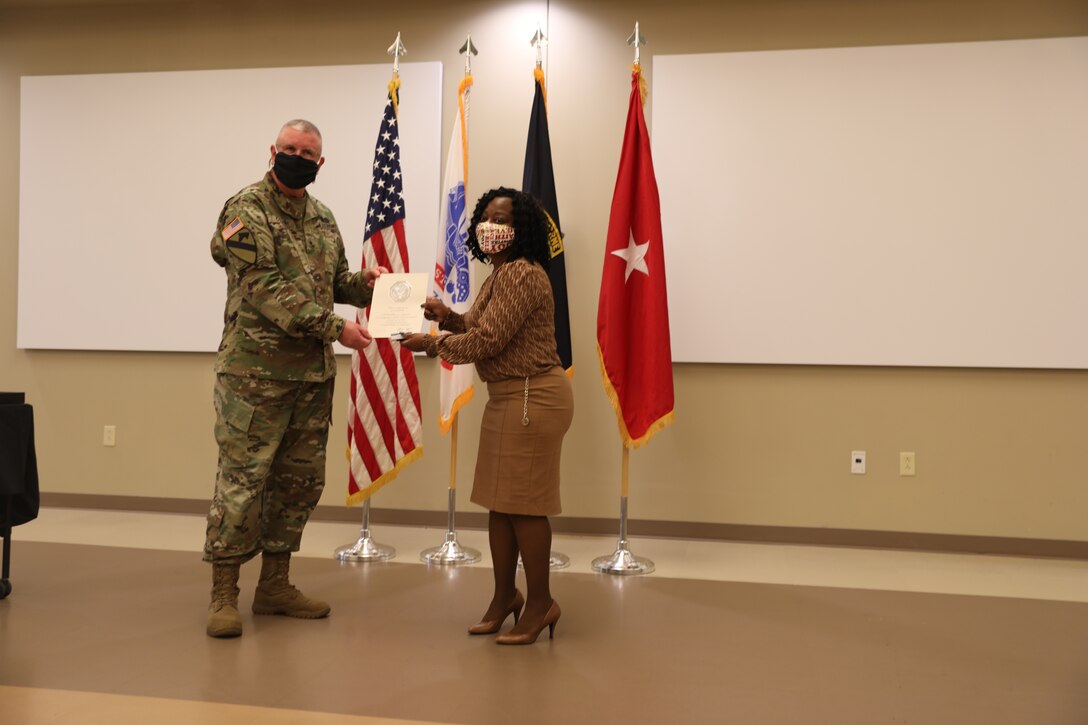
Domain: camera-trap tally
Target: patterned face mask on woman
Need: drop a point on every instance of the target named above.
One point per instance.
(494, 237)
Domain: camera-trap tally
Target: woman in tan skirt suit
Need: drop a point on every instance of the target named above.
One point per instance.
(509, 333)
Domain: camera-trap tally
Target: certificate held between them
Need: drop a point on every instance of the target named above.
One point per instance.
(397, 305)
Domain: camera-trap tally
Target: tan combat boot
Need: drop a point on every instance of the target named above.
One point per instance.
(275, 595)
(223, 619)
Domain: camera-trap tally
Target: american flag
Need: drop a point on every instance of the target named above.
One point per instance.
(385, 430)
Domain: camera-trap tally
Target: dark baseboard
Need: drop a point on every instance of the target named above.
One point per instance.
(905, 540)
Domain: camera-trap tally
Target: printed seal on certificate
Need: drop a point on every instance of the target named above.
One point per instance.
(400, 291)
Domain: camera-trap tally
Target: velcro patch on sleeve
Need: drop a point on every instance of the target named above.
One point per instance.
(236, 225)
(241, 246)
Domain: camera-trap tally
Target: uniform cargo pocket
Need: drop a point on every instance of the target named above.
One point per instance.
(232, 409)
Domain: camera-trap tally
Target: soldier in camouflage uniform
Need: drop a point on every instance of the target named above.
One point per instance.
(285, 265)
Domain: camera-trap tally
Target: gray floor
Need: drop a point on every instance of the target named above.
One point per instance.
(634, 650)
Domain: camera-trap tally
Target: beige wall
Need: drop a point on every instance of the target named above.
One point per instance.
(999, 452)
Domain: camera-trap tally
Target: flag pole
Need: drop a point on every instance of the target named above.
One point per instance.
(365, 548)
(539, 41)
(622, 561)
(451, 553)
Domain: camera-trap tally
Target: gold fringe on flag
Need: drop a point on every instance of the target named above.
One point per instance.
(363, 494)
(538, 73)
(614, 398)
(394, 87)
(643, 87)
(444, 426)
(466, 82)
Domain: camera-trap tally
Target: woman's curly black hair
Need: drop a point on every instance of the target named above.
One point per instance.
(531, 227)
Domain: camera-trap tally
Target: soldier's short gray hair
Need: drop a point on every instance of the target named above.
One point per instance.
(300, 124)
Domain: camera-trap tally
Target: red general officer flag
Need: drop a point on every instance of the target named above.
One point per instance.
(633, 312)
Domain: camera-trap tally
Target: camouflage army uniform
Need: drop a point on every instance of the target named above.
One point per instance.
(285, 266)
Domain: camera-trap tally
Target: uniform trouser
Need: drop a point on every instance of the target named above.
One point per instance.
(272, 436)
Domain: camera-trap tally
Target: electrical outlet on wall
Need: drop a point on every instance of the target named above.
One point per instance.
(906, 463)
(857, 461)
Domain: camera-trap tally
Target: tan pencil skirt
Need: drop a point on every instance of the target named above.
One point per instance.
(517, 466)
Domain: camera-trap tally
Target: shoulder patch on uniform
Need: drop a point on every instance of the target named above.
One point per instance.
(236, 225)
(241, 246)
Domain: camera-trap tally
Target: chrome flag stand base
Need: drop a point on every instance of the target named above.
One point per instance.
(555, 561)
(622, 562)
(558, 561)
(365, 549)
(450, 553)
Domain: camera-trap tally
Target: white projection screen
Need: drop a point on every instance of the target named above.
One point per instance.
(916, 205)
(123, 176)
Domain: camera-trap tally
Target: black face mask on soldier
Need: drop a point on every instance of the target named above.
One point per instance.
(293, 171)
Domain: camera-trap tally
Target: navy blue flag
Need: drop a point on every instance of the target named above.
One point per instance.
(538, 179)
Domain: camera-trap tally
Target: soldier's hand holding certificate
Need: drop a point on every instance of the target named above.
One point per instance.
(397, 305)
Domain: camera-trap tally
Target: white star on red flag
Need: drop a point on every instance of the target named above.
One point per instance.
(635, 256)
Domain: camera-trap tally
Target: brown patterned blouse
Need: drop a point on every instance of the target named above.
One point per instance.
(510, 330)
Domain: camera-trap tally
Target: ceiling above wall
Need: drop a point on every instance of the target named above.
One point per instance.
(32, 4)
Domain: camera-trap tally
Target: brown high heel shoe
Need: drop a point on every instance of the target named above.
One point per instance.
(549, 621)
(490, 626)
